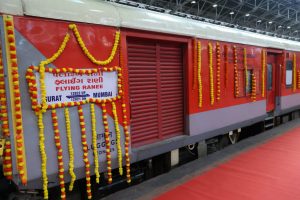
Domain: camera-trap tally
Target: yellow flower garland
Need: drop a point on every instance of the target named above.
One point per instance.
(195, 63)
(43, 154)
(94, 141)
(118, 135)
(59, 155)
(7, 161)
(263, 72)
(73, 27)
(245, 66)
(236, 79)
(211, 74)
(253, 88)
(70, 149)
(218, 52)
(294, 71)
(199, 75)
(298, 81)
(226, 64)
(85, 153)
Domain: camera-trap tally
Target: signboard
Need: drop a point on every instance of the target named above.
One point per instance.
(71, 87)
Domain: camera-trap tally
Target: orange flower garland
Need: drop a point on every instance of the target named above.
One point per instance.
(17, 109)
(199, 75)
(218, 72)
(70, 149)
(85, 153)
(294, 72)
(226, 64)
(7, 163)
(195, 64)
(236, 79)
(211, 74)
(94, 142)
(59, 155)
(263, 72)
(125, 125)
(245, 66)
(253, 88)
(118, 135)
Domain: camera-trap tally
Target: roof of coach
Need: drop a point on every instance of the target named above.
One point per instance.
(111, 14)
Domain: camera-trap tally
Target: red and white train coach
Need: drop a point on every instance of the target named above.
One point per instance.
(89, 86)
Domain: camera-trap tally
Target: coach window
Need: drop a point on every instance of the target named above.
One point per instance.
(269, 76)
(289, 73)
(249, 79)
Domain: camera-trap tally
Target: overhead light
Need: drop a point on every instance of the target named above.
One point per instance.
(270, 22)
(215, 5)
(295, 31)
(193, 2)
(280, 26)
(247, 15)
(288, 27)
(259, 21)
(231, 13)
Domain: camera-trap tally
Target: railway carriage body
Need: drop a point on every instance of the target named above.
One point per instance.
(183, 81)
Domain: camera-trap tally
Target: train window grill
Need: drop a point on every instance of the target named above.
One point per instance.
(249, 84)
(269, 76)
(289, 74)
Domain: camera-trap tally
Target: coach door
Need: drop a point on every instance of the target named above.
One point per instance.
(273, 68)
(155, 71)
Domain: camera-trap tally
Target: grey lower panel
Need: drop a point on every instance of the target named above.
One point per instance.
(290, 101)
(211, 120)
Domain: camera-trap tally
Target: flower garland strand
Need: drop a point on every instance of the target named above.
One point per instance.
(218, 71)
(298, 81)
(253, 88)
(195, 63)
(245, 66)
(294, 72)
(236, 79)
(85, 152)
(263, 72)
(199, 75)
(43, 154)
(226, 64)
(70, 149)
(211, 74)
(119, 148)
(16, 97)
(59, 155)
(94, 141)
(7, 159)
(73, 27)
(125, 125)
(107, 142)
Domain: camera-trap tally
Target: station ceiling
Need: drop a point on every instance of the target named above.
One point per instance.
(279, 18)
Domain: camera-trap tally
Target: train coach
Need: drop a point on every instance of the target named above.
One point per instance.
(97, 88)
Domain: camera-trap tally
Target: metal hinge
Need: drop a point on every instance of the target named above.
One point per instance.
(2, 142)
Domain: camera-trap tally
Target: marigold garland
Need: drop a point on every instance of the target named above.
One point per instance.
(226, 64)
(263, 72)
(211, 74)
(218, 52)
(236, 79)
(118, 135)
(253, 88)
(94, 142)
(7, 159)
(16, 97)
(70, 149)
(195, 63)
(43, 154)
(85, 153)
(73, 27)
(199, 75)
(245, 66)
(125, 125)
(59, 155)
(298, 81)
(294, 71)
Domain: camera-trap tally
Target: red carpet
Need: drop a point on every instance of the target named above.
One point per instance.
(270, 171)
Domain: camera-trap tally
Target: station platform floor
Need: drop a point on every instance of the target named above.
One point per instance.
(265, 166)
